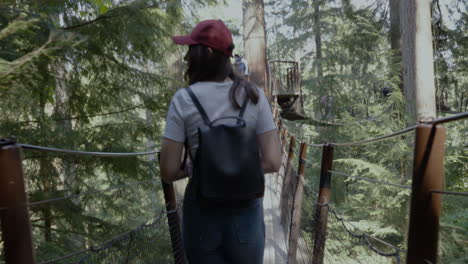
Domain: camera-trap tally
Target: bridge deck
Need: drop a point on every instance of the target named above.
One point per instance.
(275, 243)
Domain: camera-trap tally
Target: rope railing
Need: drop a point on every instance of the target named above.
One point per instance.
(369, 180)
(376, 139)
(425, 140)
(449, 193)
(115, 187)
(308, 191)
(391, 135)
(87, 153)
(366, 141)
(448, 119)
(120, 249)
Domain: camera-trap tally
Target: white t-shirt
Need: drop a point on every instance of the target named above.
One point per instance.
(183, 118)
(246, 71)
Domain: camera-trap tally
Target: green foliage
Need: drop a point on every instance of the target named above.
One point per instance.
(345, 88)
(91, 75)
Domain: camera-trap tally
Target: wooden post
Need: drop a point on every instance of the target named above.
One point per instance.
(275, 110)
(173, 221)
(283, 139)
(321, 213)
(280, 127)
(287, 176)
(16, 228)
(428, 174)
(296, 213)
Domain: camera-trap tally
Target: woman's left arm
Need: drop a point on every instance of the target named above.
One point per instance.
(170, 163)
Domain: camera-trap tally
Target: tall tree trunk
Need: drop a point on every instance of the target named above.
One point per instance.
(45, 168)
(255, 42)
(395, 39)
(63, 130)
(318, 39)
(418, 66)
(46, 186)
(322, 107)
(64, 127)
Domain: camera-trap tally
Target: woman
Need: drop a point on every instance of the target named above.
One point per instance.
(217, 234)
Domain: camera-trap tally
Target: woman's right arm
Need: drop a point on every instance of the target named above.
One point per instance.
(270, 150)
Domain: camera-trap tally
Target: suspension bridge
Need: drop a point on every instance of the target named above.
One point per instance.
(292, 237)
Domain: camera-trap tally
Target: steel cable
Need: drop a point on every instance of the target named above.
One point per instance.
(87, 153)
(369, 180)
(449, 193)
(452, 118)
(88, 193)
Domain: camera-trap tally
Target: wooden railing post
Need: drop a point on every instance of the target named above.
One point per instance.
(275, 111)
(283, 139)
(428, 174)
(16, 227)
(287, 176)
(173, 222)
(321, 213)
(280, 127)
(297, 208)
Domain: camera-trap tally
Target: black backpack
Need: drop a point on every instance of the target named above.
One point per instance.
(227, 167)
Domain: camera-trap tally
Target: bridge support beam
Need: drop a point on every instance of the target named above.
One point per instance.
(16, 228)
(296, 213)
(321, 213)
(428, 175)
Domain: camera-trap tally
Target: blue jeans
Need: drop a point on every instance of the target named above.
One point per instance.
(220, 235)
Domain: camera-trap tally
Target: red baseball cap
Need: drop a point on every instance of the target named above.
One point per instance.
(211, 33)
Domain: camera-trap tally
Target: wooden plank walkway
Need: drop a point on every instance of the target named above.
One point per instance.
(275, 243)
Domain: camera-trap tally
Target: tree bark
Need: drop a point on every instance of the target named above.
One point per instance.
(64, 126)
(322, 108)
(45, 169)
(254, 35)
(418, 66)
(395, 39)
(318, 39)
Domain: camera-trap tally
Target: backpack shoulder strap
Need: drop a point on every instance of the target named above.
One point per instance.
(202, 112)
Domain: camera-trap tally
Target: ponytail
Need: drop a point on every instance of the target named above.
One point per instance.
(250, 90)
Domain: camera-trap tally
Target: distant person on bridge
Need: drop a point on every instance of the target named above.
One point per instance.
(241, 65)
(229, 229)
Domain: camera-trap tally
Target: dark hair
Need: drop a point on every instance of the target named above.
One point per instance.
(206, 65)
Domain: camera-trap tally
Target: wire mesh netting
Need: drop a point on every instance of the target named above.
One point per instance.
(95, 208)
(139, 245)
(343, 241)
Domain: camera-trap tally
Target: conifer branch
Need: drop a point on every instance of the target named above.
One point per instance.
(102, 17)
(90, 116)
